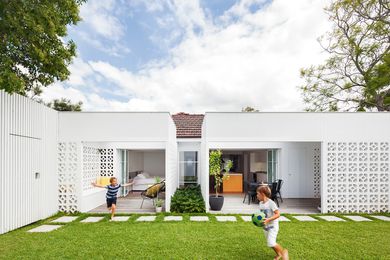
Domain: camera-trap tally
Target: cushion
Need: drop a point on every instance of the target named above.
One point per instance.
(146, 174)
(103, 180)
(140, 176)
(152, 191)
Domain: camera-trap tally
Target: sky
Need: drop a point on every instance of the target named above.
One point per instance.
(192, 55)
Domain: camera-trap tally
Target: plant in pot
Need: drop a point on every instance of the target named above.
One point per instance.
(215, 169)
(158, 203)
(157, 179)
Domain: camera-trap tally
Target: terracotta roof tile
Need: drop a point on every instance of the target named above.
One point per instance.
(188, 125)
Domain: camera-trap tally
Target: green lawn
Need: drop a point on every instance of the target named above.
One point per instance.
(203, 240)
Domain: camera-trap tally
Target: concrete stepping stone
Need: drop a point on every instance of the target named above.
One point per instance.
(358, 218)
(331, 218)
(305, 218)
(384, 218)
(92, 219)
(199, 218)
(44, 228)
(283, 218)
(121, 218)
(64, 219)
(146, 218)
(225, 218)
(246, 218)
(249, 218)
(173, 218)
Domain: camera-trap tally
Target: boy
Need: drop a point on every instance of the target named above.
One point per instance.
(111, 195)
(271, 222)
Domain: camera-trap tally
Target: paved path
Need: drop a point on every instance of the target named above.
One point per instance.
(224, 218)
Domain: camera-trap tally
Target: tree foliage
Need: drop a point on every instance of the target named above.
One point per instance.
(33, 53)
(356, 76)
(64, 104)
(216, 167)
(249, 109)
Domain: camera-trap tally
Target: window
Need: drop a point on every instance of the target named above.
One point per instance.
(188, 167)
(272, 165)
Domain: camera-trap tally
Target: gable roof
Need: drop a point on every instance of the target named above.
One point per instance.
(188, 125)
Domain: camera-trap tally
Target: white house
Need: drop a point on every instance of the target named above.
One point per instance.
(342, 158)
(48, 159)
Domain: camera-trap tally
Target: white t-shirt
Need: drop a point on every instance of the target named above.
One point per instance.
(268, 209)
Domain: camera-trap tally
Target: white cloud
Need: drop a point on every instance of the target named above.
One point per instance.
(101, 27)
(150, 5)
(99, 16)
(58, 91)
(79, 71)
(246, 59)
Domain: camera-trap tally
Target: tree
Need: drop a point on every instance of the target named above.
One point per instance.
(64, 104)
(249, 109)
(215, 168)
(33, 53)
(356, 76)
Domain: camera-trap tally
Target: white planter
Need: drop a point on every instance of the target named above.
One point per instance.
(158, 209)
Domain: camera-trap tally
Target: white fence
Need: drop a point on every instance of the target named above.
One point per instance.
(28, 161)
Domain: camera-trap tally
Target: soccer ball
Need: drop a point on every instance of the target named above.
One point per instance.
(258, 219)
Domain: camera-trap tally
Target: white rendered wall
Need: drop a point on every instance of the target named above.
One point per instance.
(112, 132)
(28, 143)
(171, 166)
(296, 127)
(135, 161)
(113, 126)
(355, 175)
(204, 166)
(154, 163)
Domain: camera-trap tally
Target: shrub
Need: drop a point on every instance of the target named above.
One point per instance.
(188, 200)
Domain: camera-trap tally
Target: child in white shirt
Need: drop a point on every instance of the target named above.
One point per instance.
(271, 222)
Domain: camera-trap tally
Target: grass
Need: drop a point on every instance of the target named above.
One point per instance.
(192, 240)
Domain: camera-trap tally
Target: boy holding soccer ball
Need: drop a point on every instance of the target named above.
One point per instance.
(271, 222)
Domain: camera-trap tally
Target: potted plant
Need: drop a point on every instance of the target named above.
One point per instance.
(215, 169)
(158, 205)
(157, 179)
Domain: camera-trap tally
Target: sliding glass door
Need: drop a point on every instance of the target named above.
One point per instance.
(188, 167)
(272, 164)
(123, 169)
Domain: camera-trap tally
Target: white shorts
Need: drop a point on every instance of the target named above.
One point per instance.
(271, 235)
